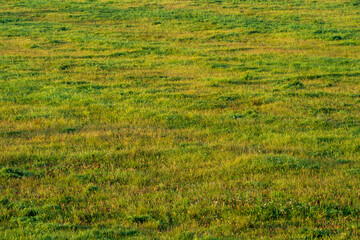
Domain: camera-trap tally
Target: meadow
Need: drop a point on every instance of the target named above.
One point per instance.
(179, 119)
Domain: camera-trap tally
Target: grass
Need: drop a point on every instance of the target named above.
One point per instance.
(186, 119)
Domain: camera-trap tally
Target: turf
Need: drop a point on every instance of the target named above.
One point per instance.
(192, 119)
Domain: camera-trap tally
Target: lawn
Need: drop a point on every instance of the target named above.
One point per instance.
(179, 119)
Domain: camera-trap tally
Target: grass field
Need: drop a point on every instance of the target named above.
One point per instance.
(179, 119)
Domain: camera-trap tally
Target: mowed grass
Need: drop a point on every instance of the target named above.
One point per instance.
(167, 119)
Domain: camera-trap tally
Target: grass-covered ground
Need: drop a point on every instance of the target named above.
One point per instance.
(179, 119)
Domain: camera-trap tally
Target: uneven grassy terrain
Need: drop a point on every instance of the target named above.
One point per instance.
(169, 119)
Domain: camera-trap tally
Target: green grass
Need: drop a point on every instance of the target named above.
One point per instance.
(185, 119)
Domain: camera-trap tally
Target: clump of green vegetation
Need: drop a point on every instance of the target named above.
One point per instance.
(13, 173)
(170, 119)
(140, 219)
(295, 85)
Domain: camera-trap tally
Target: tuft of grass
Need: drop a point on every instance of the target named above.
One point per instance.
(140, 219)
(13, 173)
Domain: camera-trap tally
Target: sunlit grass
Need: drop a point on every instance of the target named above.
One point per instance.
(179, 119)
